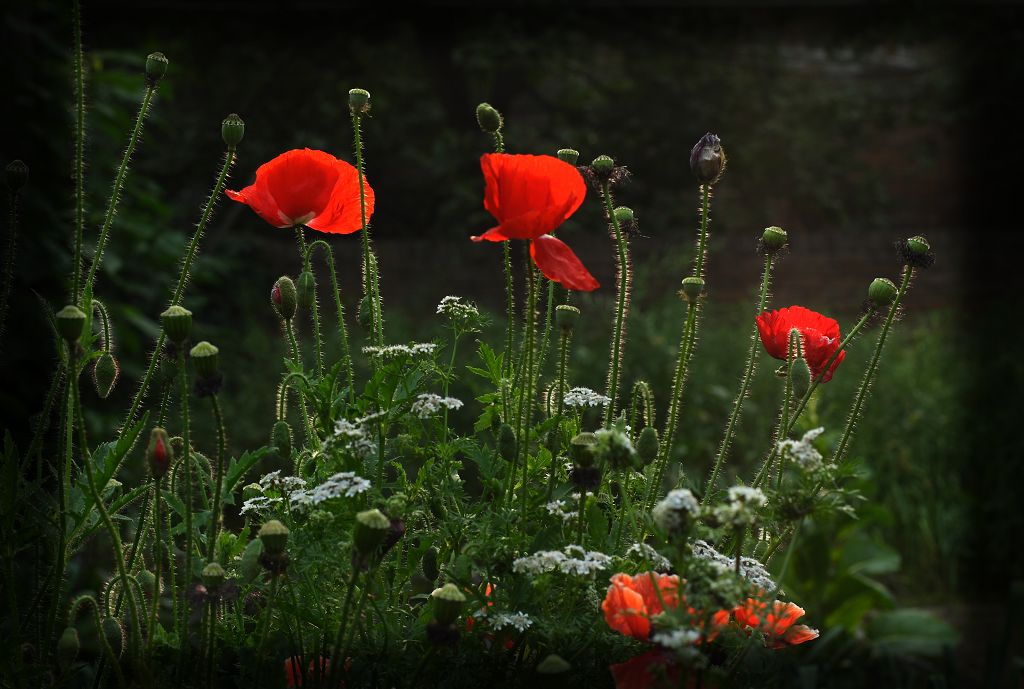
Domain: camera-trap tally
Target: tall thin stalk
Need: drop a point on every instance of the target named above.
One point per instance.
(623, 278)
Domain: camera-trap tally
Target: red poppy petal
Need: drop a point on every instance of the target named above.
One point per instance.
(342, 214)
(558, 262)
(301, 182)
(256, 197)
(530, 195)
(774, 331)
(492, 235)
(799, 634)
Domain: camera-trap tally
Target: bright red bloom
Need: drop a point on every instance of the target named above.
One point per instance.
(530, 197)
(819, 335)
(293, 671)
(307, 187)
(631, 601)
(777, 625)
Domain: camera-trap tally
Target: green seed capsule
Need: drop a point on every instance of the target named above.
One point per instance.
(70, 321)
(274, 536)
(448, 602)
(370, 528)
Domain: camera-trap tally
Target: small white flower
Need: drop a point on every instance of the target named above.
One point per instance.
(750, 569)
(571, 560)
(275, 481)
(520, 621)
(677, 639)
(258, 504)
(676, 510)
(557, 507)
(748, 496)
(646, 552)
(803, 451)
(428, 404)
(342, 485)
(460, 313)
(584, 397)
(395, 351)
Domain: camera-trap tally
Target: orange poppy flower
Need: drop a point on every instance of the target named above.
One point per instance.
(777, 625)
(631, 601)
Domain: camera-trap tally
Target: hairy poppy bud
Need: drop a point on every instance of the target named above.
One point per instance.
(800, 375)
(70, 321)
(306, 286)
(624, 215)
(396, 505)
(603, 165)
(882, 292)
(568, 155)
(177, 322)
(437, 508)
(489, 118)
(707, 159)
(213, 575)
(428, 564)
(773, 240)
(206, 358)
(507, 442)
(281, 438)
(365, 313)
(249, 565)
(566, 317)
(274, 536)
(156, 67)
(581, 449)
(448, 601)
(693, 288)
(16, 174)
(147, 580)
(647, 445)
(232, 129)
(359, 101)
(284, 297)
(105, 373)
(370, 528)
(553, 665)
(916, 252)
(113, 632)
(159, 453)
(67, 648)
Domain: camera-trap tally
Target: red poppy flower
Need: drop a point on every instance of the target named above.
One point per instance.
(293, 671)
(307, 187)
(819, 335)
(631, 601)
(530, 197)
(777, 625)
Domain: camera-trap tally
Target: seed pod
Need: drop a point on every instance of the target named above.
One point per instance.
(284, 297)
(159, 453)
(569, 155)
(370, 528)
(707, 159)
(67, 648)
(602, 165)
(693, 288)
(916, 252)
(274, 536)
(582, 447)
(105, 373)
(566, 317)
(773, 240)
(177, 323)
(647, 445)
(428, 564)
(206, 358)
(306, 287)
(359, 101)
(16, 175)
(882, 292)
(489, 118)
(213, 576)
(113, 632)
(156, 67)
(448, 601)
(70, 321)
(281, 438)
(507, 443)
(232, 129)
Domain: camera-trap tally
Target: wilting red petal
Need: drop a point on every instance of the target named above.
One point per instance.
(530, 195)
(558, 262)
(819, 337)
(624, 608)
(293, 671)
(799, 633)
(651, 670)
(342, 214)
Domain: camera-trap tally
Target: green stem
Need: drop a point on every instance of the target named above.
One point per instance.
(157, 548)
(563, 358)
(510, 329)
(336, 660)
(300, 236)
(792, 352)
(307, 423)
(528, 383)
(623, 279)
(79, 174)
(346, 352)
(371, 284)
(63, 492)
(187, 459)
(274, 583)
(624, 509)
(702, 242)
(748, 374)
(581, 516)
(447, 380)
(218, 478)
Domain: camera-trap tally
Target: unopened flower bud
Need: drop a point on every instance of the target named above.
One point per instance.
(693, 288)
(105, 373)
(114, 634)
(306, 286)
(274, 536)
(213, 575)
(284, 297)
(16, 175)
(448, 601)
(148, 582)
(365, 313)
(566, 317)
(70, 321)
(507, 442)
(568, 155)
(206, 358)
(773, 240)
(882, 292)
(159, 452)
(918, 245)
(281, 438)
(428, 564)
(624, 215)
(553, 665)
(603, 165)
(251, 490)
(582, 447)
(916, 252)
(647, 445)
(232, 129)
(370, 528)
(707, 159)
(177, 323)
(67, 648)
(359, 101)
(156, 67)
(489, 118)
(800, 375)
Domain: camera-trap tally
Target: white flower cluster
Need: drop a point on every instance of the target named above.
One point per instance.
(572, 560)
(741, 510)
(750, 569)
(342, 485)
(677, 639)
(584, 397)
(274, 480)
(459, 312)
(398, 350)
(428, 404)
(354, 435)
(803, 451)
(677, 509)
(557, 507)
(519, 621)
(646, 552)
(258, 503)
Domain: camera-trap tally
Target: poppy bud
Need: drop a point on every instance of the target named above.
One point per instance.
(249, 564)
(624, 215)
(67, 648)
(553, 665)
(396, 505)
(568, 155)
(213, 576)
(916, 252)
(232, 129)
(507, 442)
(251, 490)
(365, 314)
(448, 601)
(281, 438)
(882, 292)
(566, 317)
(16, 175)
(489, 118)
(177, 322)
(773, 240)
(274, 536)
(159, 453)
(206, 358)
(370, 528)
(359, 101)
(156, 67)
(284, 297)
(70, 321)
(428, 564)
(800, 375)
(581, 448)
(693, 288)
(306, 286)
(437, 508)
(105, 373)
(148, 581)
(603, 165)
(707, 159)
(114, 634)
(647, 445)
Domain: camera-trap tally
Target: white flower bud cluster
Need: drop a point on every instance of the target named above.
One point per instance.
(428, 404)
(396, 351)
(345, 484)
(803, 452)
(584, 397)
(573, 560)
(742, 506)
(676, 510)
(750, 569)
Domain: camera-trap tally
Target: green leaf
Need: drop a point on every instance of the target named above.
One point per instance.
(911, 631)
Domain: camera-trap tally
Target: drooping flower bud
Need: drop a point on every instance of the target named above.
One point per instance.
(105, 373)
(800, 375)
(566, 317)
(568, 155)
(370, 528)
(693, 289)
(448, 601)
(365, 313)
(507, 442)
(232, 129)
(916, 252)
(156, 67)
(489, 118)
(274, 536)
(553, 665)
(16, 174)
(148, 582)
(284, 297)
(67, 648)
(206, 358)
(707, 159)
(882, 292)
(306, 286)
(213, 576)
(159, 452)
(113, 632)
(647, 445)
(773, 240)
(359, 101)
(70, 321)
(428, 564)
(177, 323)
(281, 438)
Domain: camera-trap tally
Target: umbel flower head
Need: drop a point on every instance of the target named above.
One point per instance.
(307, 187)
(530, 197)
(819, 335)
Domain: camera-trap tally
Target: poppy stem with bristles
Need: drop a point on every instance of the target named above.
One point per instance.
(300, 235)
(371, 280)
(346, 352)
(622, 279)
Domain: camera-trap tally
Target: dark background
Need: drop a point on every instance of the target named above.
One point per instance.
(851, 126)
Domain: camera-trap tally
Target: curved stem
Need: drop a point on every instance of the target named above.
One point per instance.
(218, 479)
(307, 423)
(346, 352)
(621, 305)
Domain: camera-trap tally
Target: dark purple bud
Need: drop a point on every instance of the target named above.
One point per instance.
(707, 159)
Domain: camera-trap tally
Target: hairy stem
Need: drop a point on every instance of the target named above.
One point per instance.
(622, 279)
(371, 283)
(346, 352)
(218, 478)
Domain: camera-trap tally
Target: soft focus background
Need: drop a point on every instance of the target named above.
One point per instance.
(850, 128)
